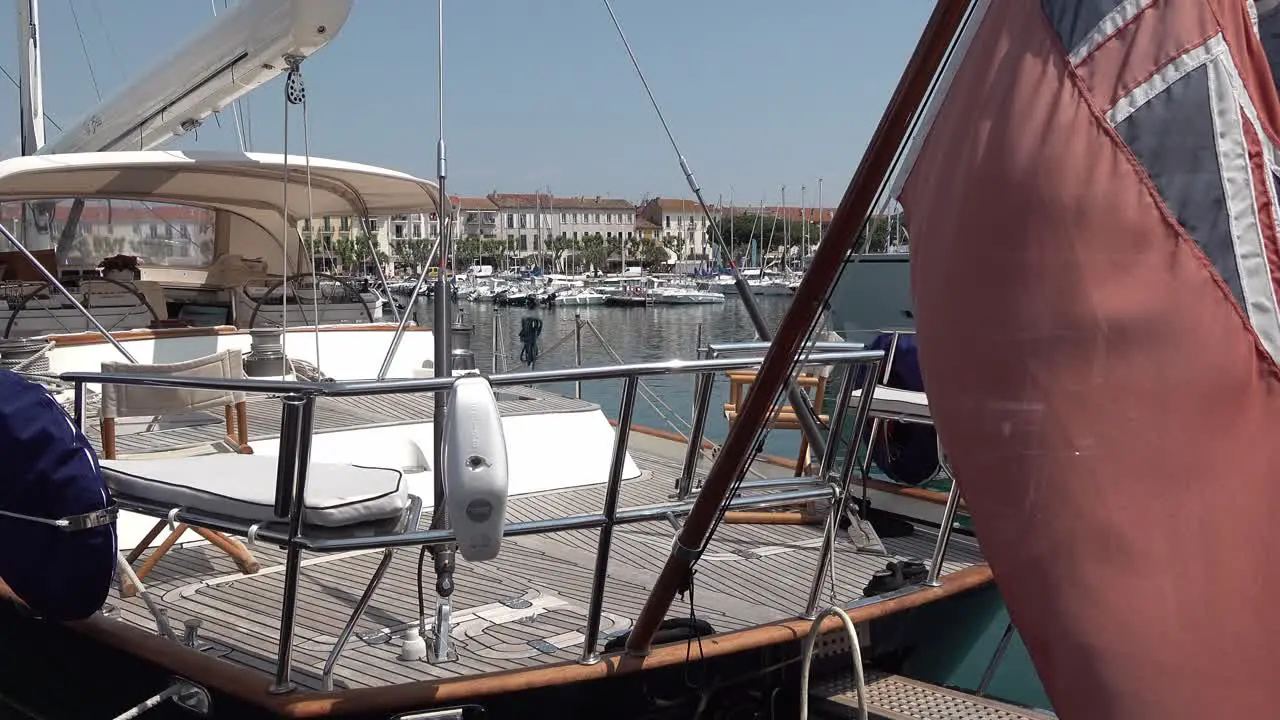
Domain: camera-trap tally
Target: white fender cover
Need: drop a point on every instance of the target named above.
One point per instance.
(475, 468)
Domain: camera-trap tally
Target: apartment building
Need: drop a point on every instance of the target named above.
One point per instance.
(529, 221)
(682, 220)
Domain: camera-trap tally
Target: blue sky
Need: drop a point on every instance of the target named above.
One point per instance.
(541, 94)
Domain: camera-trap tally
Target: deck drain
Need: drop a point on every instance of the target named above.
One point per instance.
(543, 646)
(516, 603)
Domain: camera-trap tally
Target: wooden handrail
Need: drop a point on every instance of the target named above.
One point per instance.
(808, 302)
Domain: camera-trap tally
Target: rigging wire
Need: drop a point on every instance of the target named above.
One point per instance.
(18, 85)
(84, 47)
(111, 45)
(235, 105)
(761, 329)
(860, 245)
(284, 235)
(311, 223)
(805, 413)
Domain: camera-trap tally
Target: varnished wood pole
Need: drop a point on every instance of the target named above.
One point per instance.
(730, 463)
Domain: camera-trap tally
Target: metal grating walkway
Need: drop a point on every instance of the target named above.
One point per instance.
(893, 697)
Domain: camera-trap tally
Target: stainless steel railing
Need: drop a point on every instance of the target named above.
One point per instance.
(299, 400)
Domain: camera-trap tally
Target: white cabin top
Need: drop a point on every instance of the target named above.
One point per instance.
(245, 191)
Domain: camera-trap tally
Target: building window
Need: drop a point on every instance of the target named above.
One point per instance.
(510, 222)
(373, 225)
(344, 224)
(668, 221)
(564, 217)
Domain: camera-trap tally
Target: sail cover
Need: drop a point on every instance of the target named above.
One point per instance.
(49, 471)
(1095, 261)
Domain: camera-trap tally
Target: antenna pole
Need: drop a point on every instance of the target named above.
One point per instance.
(443, 556)
(730, 464)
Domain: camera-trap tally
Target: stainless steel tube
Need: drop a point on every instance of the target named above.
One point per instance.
(825, 555)
(293, 552)
(287, 463)
(591, 635)
(701, 406)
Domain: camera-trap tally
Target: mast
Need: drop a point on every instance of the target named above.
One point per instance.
(34, 230)
(551, 225)
(819, 215)
(731, 237)
(804, 226)
(730, 464)
(786, 221)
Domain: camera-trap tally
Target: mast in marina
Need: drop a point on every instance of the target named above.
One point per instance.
(34, 231)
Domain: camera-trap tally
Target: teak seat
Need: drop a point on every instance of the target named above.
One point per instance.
(126, 401)
(781, 417)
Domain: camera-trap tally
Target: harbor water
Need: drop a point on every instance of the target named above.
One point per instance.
(628, 335)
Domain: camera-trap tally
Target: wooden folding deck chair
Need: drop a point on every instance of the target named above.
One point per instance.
(126, 401)
(781, 417)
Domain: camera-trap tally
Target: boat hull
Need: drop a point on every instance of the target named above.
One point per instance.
(111, 671)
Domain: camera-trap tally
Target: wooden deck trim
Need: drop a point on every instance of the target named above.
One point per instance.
(930, 496)
(251, 687)
(706, 444)
(93, 338)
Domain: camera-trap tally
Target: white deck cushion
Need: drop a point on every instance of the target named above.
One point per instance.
(898, 403)
(244, 486)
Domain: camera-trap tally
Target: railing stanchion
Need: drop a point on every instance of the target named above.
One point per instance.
(948, 522)
(591, 636)
(577, 352)
(703, 384)
(494, 342)
(837, 421)
(79, 402)
(298, 445)
(846, 474)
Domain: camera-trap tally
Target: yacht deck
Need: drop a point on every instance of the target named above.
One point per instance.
(203, 429)
(525, 608)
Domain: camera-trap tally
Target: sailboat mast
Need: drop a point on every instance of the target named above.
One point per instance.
(804, 226)
(732, 252)
(786, 221)
(819, 216)
(31, 112)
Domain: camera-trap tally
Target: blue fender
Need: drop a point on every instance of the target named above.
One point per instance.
(49, 470)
